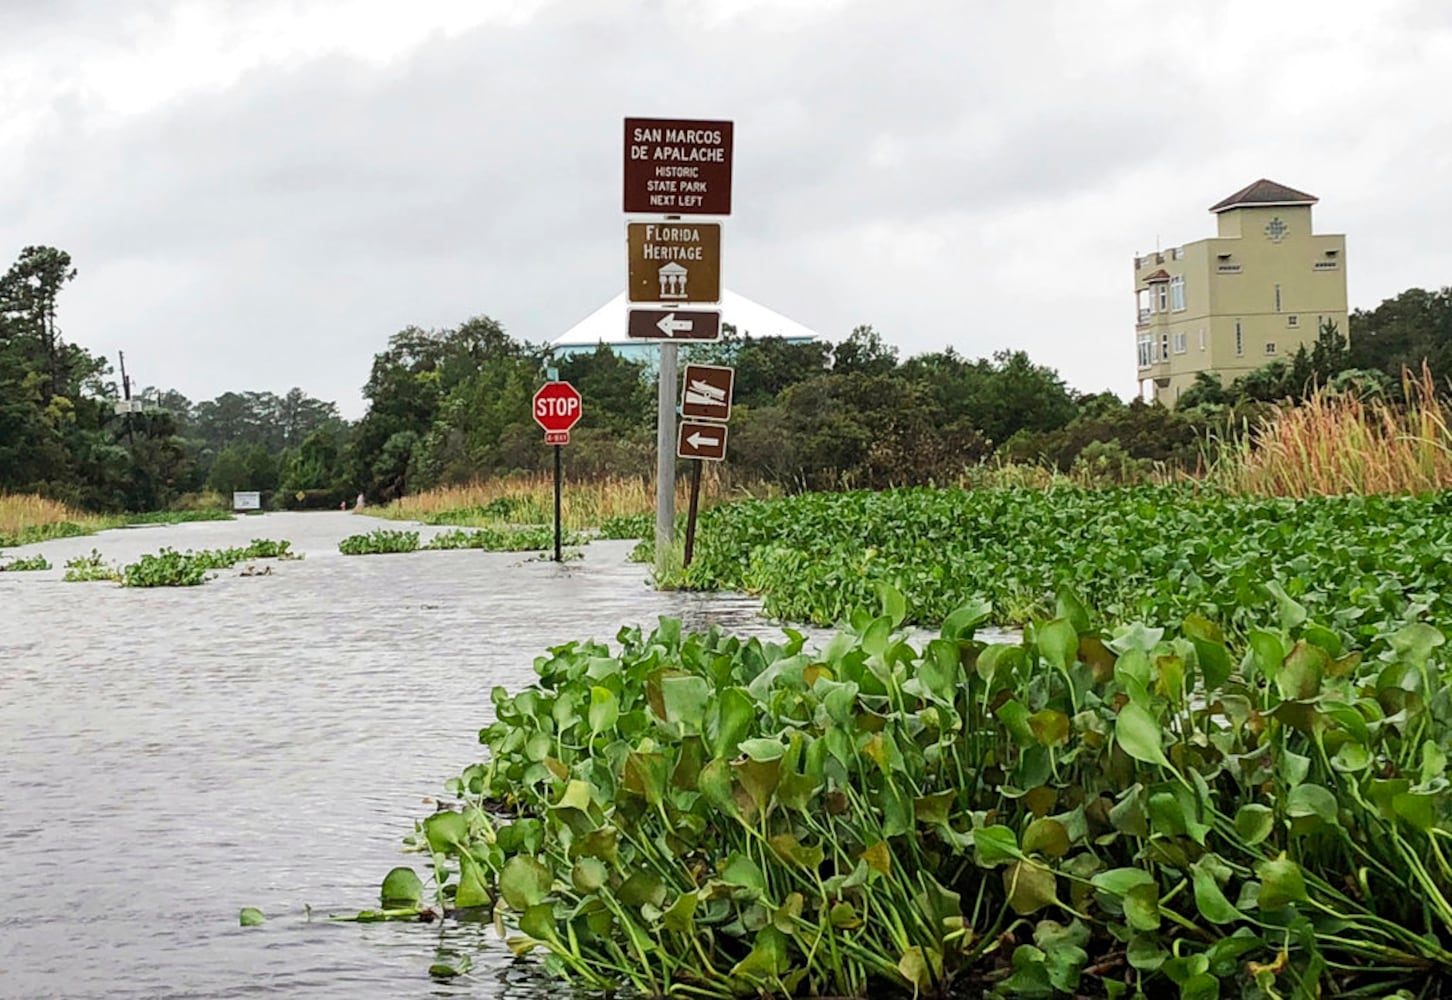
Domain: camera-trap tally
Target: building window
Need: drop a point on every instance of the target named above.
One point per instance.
(1239, 339)
(1164, 298)
(1177, 293)
(1270, 346)
(1293, 321)
(1164, 347)
(1146, 351)
(1202, 340)
(1278, 298)
(1180, 343)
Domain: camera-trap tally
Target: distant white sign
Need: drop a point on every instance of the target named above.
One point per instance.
(124, 406)
(246, 501)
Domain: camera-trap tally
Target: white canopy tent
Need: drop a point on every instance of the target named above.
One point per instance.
(606, 325)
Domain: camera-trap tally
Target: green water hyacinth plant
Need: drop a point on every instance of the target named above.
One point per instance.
(1363, 566)
(170, 568)
(1138, 811)
(528, 539)
(32, 564)
(380, 542)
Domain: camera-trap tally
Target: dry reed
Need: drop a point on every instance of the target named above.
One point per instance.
(529, 499)
(1342, 444)
(19, 512)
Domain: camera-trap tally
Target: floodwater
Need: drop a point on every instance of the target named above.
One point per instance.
(170, 756)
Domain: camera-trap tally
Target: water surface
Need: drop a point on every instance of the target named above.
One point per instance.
(170, 756)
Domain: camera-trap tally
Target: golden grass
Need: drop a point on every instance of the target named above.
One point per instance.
(27, 518)
(529, 499)
(1340, 444)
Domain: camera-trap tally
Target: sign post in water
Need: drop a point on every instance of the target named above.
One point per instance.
(557, 408)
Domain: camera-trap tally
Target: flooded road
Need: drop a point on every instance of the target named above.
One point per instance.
(170, 756)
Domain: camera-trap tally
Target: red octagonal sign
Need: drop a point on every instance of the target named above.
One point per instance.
(557, 406)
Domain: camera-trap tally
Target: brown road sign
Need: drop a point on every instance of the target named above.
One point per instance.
(675, 167)
(704, 441)
(673, 262)
(706, 394)
(673, 324)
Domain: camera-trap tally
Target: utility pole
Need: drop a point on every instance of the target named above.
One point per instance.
(126, 395)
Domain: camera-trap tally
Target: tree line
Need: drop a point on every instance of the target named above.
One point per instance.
(451, 405)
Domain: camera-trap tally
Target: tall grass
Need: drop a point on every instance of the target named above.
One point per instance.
(530, 499)
(1337, 444)
(25, 518)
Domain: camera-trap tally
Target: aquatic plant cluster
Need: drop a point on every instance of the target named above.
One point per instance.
(526, 539)
(1142, 811)
(1359, 565)
(170, 568)
(25, 565)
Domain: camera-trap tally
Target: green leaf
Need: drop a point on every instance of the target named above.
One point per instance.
(994, 845)
(641, 888)
(575, 796)
(763, 750)
(685, 700)
(1068, 606)
(1049, 727)
(1200, 987)
(740, 870)
(768, 957)
(731, 719)
(1254, 823)
(1299, 677)
(450, 970)
(1209, 899)
(1118, 881)
(1415, 808)
(1030, 887)
(1209, 643)
(876, 636)
(933, 810)
(1058, 643)
(923, 969)
(1139, 734)
(446, 832)
(589, 875)
(894, 605)
(1046, 836)
(1281, 883)
(1416, 641)
(963, 620)
(604, 710)
(680, 917)
(523, 882)
(473, 888)
(401, 887)
(1291, 612)
(1142, 907)
(251, 916)
(1312, 800)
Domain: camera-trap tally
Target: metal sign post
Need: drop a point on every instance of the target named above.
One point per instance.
(557, 407)
(674, 167)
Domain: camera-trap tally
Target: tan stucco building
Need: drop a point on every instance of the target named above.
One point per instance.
(1256, 292)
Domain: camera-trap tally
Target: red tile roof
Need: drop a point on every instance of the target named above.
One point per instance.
(1160, 275)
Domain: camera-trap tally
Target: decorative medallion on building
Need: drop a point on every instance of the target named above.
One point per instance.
(1276, 229)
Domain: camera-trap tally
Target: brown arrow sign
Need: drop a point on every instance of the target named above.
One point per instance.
(704, 441)
(706, 394)
(674, 324)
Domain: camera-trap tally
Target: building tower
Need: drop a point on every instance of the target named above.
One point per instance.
(1261, 288)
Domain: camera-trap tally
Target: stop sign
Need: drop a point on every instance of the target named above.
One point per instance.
(557, 406)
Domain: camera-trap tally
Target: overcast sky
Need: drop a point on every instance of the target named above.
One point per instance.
(258, 192)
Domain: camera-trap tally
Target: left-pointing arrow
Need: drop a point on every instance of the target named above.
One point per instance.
(699, 440)
(670, 326)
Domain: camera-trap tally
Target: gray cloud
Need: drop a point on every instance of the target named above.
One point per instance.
(955, 174)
